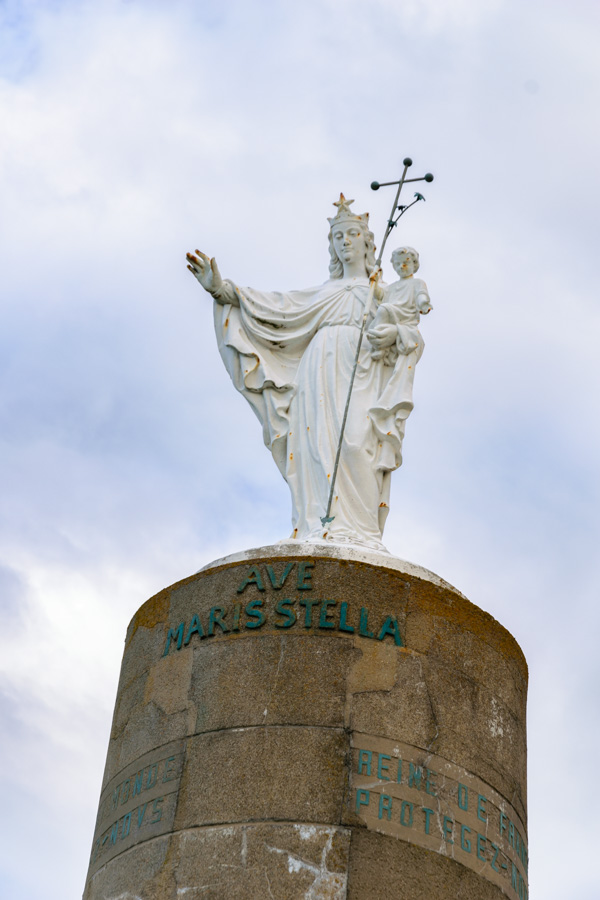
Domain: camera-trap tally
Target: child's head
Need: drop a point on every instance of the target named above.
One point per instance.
(405, 261)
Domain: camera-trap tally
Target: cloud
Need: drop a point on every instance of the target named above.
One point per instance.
(133, 132)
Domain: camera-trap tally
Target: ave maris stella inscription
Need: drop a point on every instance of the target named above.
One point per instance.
(306, 612)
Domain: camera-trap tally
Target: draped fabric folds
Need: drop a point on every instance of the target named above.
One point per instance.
(291, 355)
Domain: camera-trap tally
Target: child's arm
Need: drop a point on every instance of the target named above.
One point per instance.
(422, 299)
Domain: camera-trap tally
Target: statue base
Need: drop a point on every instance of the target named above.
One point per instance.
(314, 721)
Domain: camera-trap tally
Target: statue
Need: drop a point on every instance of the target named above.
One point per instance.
(292, 356)
(405, 301)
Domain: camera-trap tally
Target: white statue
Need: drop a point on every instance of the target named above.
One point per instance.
(292, 354)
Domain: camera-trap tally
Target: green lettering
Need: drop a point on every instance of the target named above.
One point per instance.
(237, 610)
(410, 807)
(415, 774)
(465, 843)
(381, 767)
(390, 626)
(324, 620)
(304, 577)
(253, 577)
(156, 810)
(255, 615)
(428, 814)
(481, 847)
(278, 584)
(195, 628)
(385, 805)
(363, 629)
(430, 784)
(169, 769)
(174, 633)
(496, 850)
(463, 796)
(481, 813)
(524, 856)
(126, 825)
(309, 605)
(137, 784)
(503, 821)
(362, 799)
(215, 617)
(343, 619)
(364, 761)
(290, 614)
(448, 825)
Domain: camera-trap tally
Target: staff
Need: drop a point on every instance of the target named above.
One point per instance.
(374, 280)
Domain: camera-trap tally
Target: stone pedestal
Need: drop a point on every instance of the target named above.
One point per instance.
(304, 721)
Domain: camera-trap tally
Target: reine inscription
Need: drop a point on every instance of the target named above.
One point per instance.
(410, 794)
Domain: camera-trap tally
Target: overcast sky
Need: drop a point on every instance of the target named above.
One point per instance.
(133, 131)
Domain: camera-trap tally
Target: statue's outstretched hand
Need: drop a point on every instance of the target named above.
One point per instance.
(206, 271)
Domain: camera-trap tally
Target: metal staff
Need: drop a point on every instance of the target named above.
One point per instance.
(374, 280)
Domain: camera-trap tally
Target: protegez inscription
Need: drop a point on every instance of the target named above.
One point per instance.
(304, 611)
(412, 795)
(138, 804)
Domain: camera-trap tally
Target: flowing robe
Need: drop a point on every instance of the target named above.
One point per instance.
(291, 355)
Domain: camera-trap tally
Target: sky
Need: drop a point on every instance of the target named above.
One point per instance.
(133, 131)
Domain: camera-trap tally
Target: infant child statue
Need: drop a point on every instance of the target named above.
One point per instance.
(402, 305)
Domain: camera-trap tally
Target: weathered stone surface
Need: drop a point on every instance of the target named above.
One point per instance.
(239, 861)
(382, 868)
(262, 681)
(148, 726)
(328, 723)
(267, 860)
(286, 773)
(140, 873)
(405, 709)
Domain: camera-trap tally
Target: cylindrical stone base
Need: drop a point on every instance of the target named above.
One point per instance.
(304, 721)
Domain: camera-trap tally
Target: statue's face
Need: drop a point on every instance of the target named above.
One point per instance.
(404, 265)
(349, 243)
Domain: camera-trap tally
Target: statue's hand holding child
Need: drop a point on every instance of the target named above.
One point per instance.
(381, 334)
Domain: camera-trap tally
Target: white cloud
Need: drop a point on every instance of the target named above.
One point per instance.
(132, 132)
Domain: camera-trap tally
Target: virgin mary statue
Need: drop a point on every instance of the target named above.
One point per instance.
(291, 355)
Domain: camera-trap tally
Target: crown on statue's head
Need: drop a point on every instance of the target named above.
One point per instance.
(344, 215)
